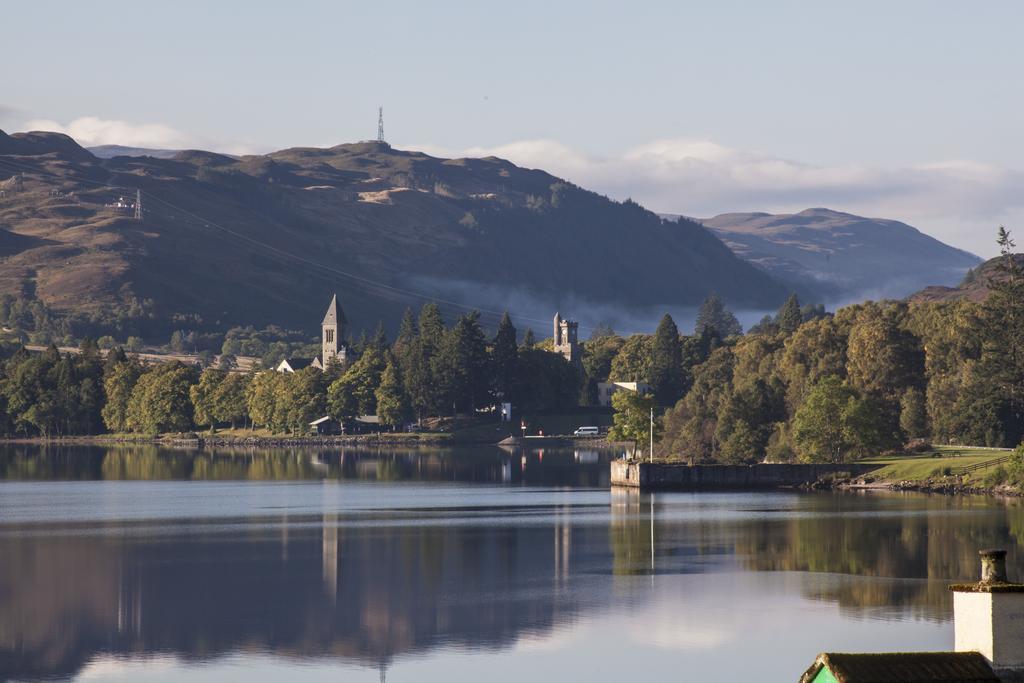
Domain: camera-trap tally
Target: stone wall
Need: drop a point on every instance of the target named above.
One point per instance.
(710, 477)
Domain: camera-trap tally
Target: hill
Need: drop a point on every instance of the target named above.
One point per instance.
(974, 286)
(111, 151)
(842, 257)
(265, 239)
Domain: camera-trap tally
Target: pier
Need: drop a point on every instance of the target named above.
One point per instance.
(679, 477)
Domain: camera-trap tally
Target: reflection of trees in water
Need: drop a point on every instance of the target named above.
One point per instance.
(938, 541)
(367, 593)
(152, 462)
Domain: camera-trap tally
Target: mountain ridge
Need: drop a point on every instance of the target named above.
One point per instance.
(264, 239)
(843, 257)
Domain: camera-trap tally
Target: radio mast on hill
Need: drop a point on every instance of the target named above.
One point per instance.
(380, 124)
(138, 205)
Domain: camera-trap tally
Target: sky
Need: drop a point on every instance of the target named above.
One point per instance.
(906, 110)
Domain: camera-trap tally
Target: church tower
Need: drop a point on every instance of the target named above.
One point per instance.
(332, 331)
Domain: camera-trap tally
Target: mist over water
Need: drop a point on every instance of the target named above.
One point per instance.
(535, 311)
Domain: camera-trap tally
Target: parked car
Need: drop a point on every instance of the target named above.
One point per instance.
(586, 431)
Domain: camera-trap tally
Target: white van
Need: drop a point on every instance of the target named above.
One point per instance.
(586, 431)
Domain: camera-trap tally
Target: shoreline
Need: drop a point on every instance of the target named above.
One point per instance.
(202, 440)
(947, 488)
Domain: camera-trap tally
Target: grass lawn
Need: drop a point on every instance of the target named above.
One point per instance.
(932, 463)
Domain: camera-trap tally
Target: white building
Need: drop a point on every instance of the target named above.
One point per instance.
(605, 390)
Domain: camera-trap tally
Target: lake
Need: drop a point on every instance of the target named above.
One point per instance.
(144, 564)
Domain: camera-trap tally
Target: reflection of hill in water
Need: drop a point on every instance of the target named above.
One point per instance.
(364, 593)
(368, 586)
(937, 540)
(544, 466)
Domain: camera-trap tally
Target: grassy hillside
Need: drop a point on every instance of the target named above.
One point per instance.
(265, 239)
(974, 286)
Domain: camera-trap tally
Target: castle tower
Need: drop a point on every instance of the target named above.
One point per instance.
(565, 336)
(332, 330)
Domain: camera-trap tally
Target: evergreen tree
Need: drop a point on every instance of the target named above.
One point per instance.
(462, 367)
(666, 363)
(505, 356)
(715, 317)
(407, 331)
(392, 403)
(529, 341)
(1002, 339)
(789, 316)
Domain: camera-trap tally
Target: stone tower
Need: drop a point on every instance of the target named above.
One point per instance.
(332, 331)
(565, 338)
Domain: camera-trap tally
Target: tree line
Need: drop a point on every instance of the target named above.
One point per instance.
(800, 385)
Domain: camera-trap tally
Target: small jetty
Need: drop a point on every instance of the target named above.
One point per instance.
(679, 477)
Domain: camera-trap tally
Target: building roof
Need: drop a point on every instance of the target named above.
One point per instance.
(334, 315)
(294, 364)
(325, 418)
(904, 667)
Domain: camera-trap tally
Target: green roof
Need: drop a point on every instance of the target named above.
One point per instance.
(903, 667)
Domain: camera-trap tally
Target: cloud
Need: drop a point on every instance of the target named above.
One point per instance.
(90, 131)
(958, 201)
(8, 114)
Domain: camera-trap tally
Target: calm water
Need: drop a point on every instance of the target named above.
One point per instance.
(300, 565)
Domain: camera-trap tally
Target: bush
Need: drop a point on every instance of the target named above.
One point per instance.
(997, 476)
(917, 446)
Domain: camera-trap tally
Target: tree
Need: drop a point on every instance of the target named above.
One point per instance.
(633, 361)
(203, 396)
(160, 400)
(632, 419)
(355, 392)
(1001, 334)
(913, 415)
(666, 363)
(462, 367)
(418, 364)
(229, 399)
(545, 382)
(392, 404)
(301, 399)
(789, 316)
(715, 317)
(818, 426)
(504, 357)
(261, 399)
(883, 357)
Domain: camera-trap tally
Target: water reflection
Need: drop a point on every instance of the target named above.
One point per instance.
(564, 466)
(376, 573)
